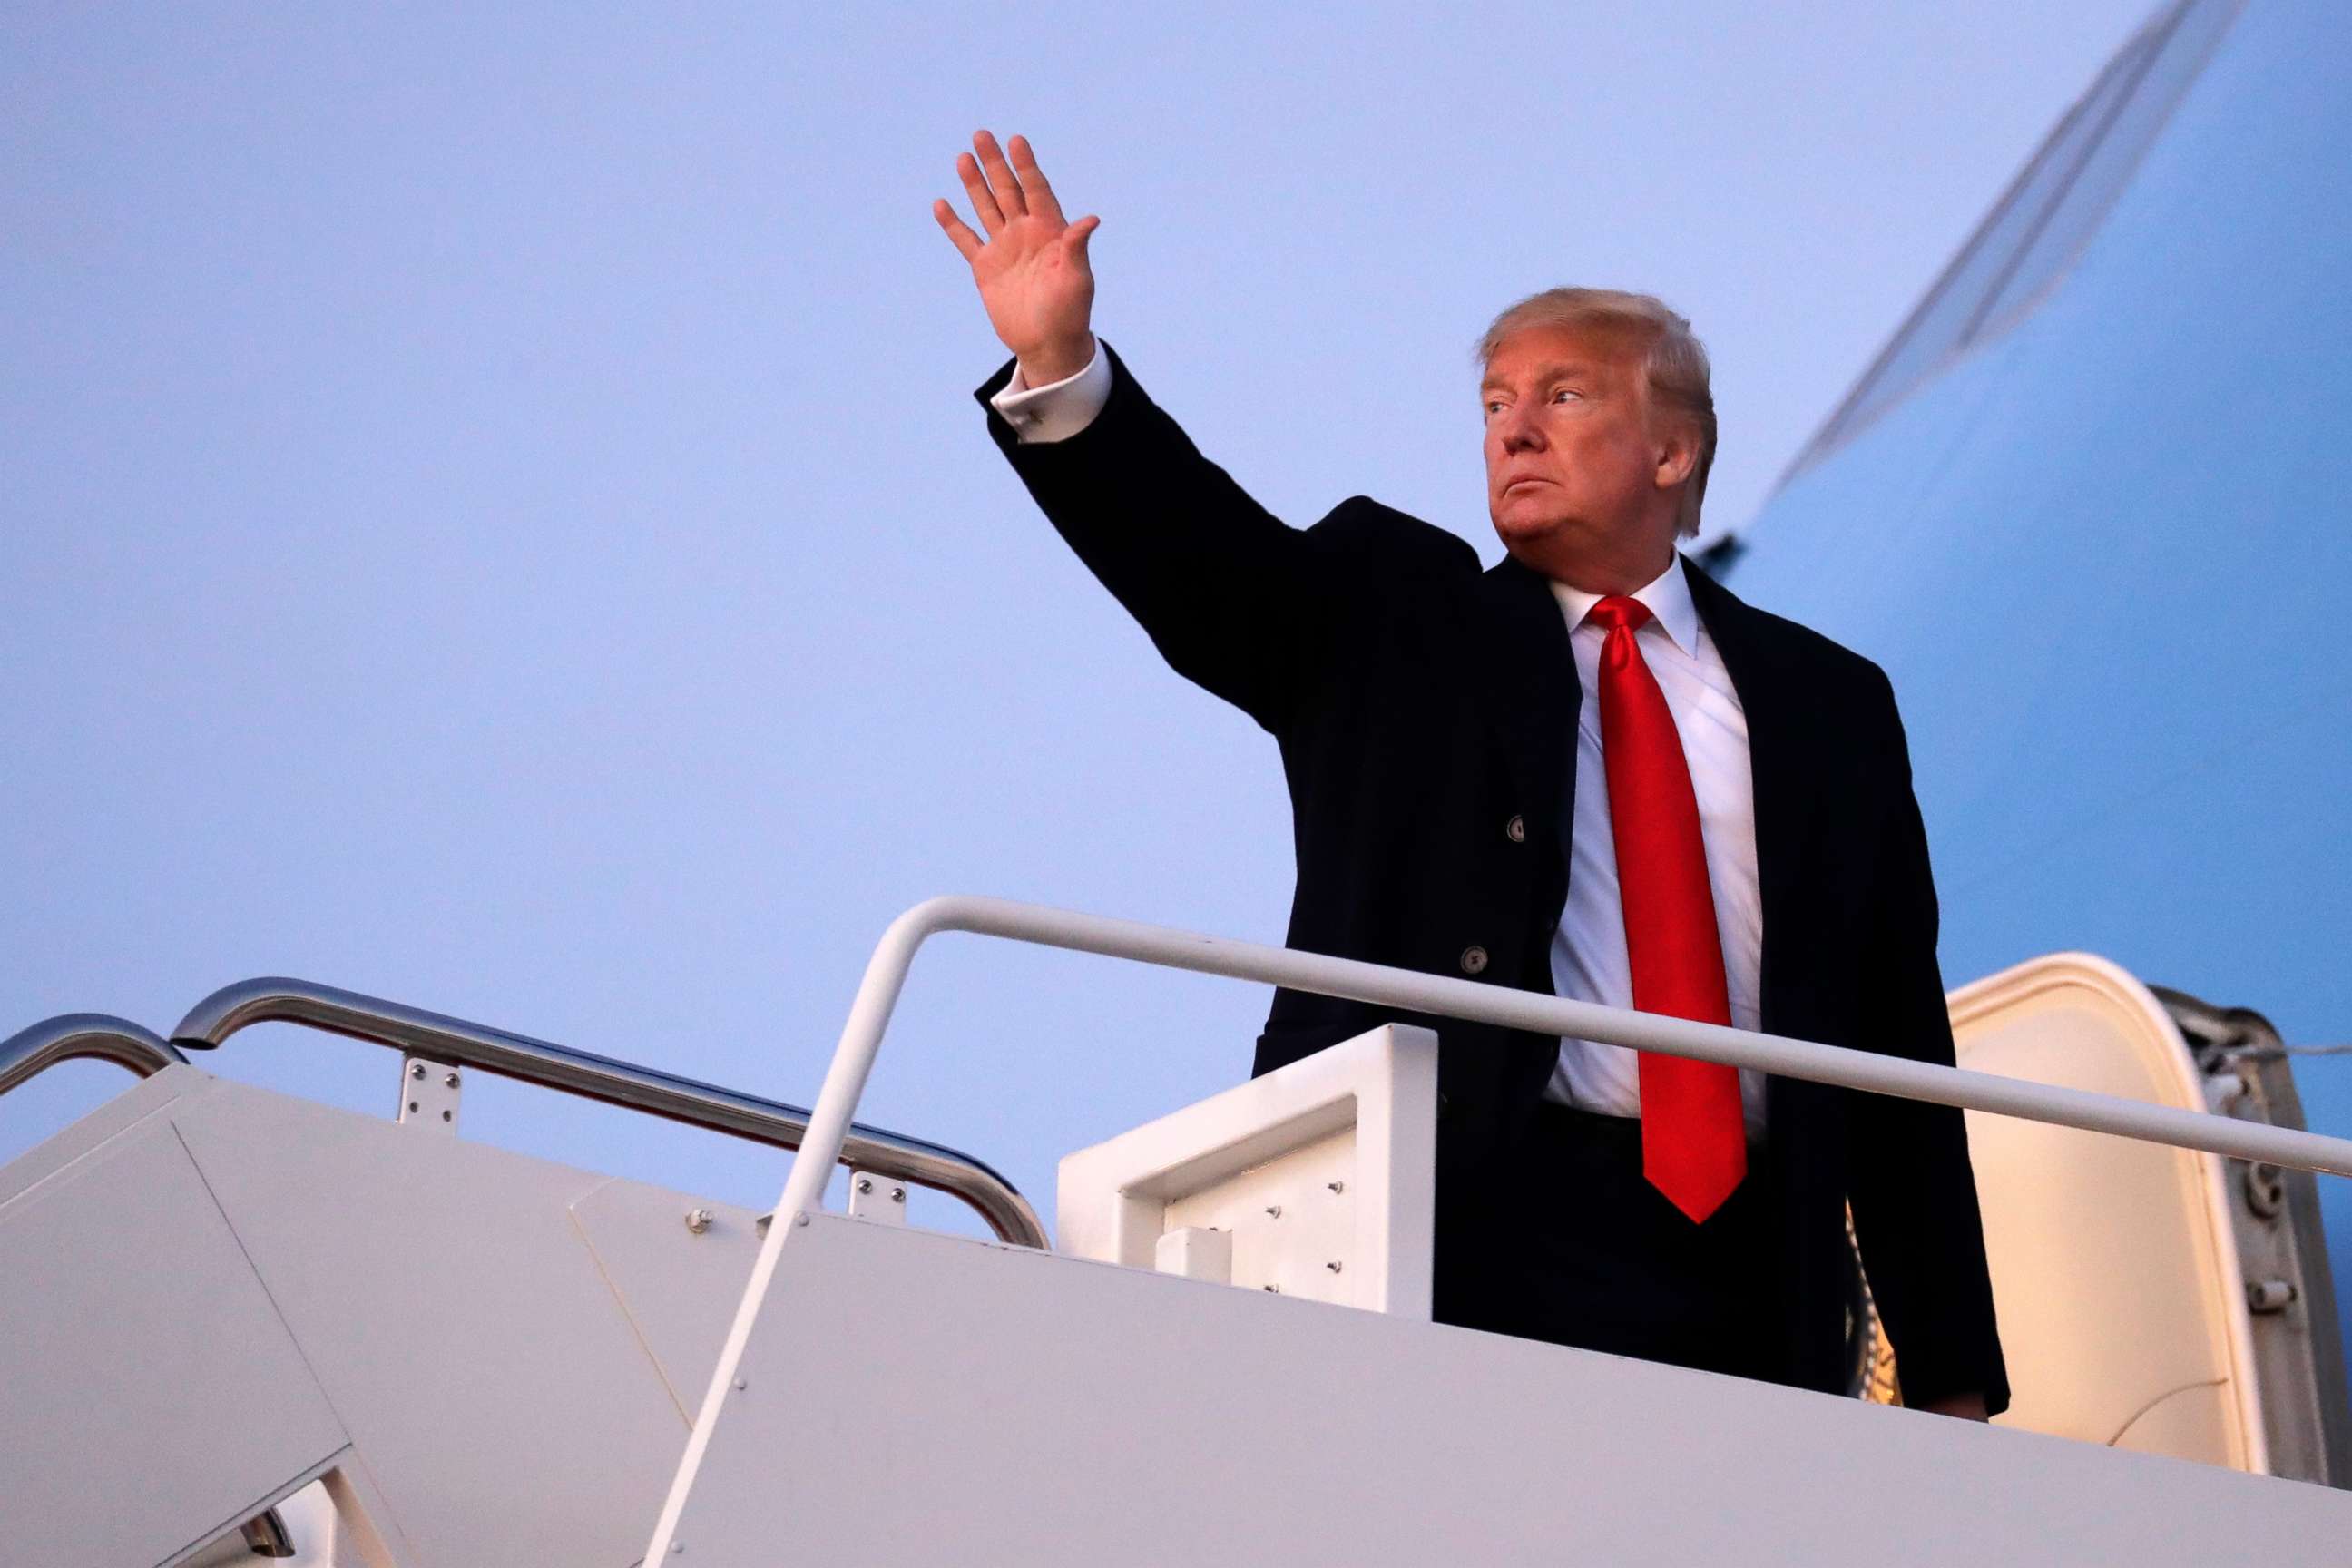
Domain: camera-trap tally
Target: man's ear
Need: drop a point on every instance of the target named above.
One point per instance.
(1677, 453)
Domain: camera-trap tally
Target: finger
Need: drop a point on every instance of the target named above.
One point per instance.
(984, 202)
(1000, 175)
(960, 233)
(1077, 234)
(1034, 192)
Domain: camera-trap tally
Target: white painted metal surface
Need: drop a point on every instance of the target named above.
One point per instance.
(427, 1277)
(2086, 1234)
(675, 1284)
(1195, 1252)
(886, 977)
(431, 1093)
(1042, 1409)
(483, 1358)
(127, 1292)
(215, 1293)
(1330, 1160)
(877, 1198)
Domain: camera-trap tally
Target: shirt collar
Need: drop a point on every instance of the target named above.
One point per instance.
(1667, 597)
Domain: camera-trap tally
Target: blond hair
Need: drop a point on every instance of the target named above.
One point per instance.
(1674, 362)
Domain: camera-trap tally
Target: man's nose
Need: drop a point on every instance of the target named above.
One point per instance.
(1519, 430)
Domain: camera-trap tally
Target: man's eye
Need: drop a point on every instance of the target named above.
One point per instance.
(1564, 392)
(1493, 405)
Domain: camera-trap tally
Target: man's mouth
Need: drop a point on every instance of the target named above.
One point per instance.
(1525, 480)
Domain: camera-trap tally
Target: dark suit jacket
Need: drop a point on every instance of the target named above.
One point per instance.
(1423, 706)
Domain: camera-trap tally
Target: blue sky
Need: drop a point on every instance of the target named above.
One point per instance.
(495, 514)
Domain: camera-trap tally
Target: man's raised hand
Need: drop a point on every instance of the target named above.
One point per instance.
(1032, 269)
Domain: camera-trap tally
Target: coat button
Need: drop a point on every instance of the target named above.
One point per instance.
(1515, 830)
(1473, 959)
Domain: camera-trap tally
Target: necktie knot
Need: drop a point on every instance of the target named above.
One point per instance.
(1616, 611)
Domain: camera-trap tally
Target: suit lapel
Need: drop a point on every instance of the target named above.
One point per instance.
(1525, 676)
(1528, 684)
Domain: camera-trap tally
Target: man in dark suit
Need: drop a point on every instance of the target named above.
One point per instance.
(1589, 771)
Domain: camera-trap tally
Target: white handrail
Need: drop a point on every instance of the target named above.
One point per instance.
(861, 1037)
(886, 975)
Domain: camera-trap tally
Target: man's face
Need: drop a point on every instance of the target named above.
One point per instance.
(1575, 460)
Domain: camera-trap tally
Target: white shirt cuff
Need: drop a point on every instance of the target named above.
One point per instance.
(1058, 410)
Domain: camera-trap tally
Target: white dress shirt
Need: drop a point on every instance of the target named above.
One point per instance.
(1587, 949)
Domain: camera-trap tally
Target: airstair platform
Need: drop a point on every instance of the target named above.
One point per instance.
(237, 1324)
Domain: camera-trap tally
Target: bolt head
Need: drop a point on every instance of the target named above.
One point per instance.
(416, 1069)
(865, 1185)
(897, 1194)
(451, 1080)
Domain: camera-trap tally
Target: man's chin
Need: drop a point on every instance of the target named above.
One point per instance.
(1525, 530)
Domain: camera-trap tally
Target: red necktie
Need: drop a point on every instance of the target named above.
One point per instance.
(1694, 1142)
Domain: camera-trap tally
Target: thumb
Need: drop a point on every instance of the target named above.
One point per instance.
(1078, 233)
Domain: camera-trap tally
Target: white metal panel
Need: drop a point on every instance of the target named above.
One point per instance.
(2181, 1422)
(431, 1094)
(1287, 1221)
(2115, 1265)
(677, 1285)
(150, 1397)
(1196, 1252)
(496, 1393)
(1328, 1161)
(140, 1098)
(1044, 1409)
(881, 1199)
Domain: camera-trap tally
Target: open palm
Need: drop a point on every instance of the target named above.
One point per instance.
(1032, 269)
